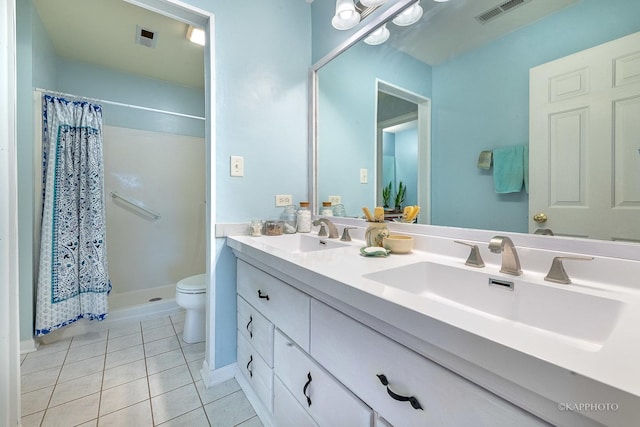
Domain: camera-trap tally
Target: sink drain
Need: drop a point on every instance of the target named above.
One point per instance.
(155, 299)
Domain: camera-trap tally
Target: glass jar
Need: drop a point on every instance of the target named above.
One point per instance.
(304, 218)
(273, 228)
(327, 210)
(338, 210)
(290, 218)
(255, 229)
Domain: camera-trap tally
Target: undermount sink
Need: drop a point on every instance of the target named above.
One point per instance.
(560, 309)
(299, 243)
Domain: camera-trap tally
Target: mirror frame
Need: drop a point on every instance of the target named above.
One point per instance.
(623, 250)
(371, 24)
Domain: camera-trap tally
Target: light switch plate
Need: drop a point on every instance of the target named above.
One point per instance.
(364, 176)
(237, 166)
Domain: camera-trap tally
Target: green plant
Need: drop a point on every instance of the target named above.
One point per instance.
(400, 194)
(386, 195)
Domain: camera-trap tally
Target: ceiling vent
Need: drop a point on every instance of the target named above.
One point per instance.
(146, 37)
(499, 10)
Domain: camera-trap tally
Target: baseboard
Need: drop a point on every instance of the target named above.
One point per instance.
(261, 411)
(216, 376)
(29, 346)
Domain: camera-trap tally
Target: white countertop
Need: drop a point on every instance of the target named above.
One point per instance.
(611, 360)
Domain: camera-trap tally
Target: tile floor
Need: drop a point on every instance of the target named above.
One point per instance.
(139, 374)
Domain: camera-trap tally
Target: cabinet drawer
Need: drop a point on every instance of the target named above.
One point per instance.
(328, 402)
(356, 355)
(286, 307)
(256, 329)
(256, 371)
(287, 412)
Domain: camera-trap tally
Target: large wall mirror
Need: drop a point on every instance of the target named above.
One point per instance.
(466, 67)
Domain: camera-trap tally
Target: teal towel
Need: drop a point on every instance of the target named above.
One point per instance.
(508, 169)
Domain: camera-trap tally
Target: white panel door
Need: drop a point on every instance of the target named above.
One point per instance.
(584, 142)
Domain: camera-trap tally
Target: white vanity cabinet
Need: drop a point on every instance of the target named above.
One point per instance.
(418, 392)
(283, 305)
(287, 412)
(263, 303)
(256, 329)
(276, 365)
(310, 364)
(256, 372)
(324, 398)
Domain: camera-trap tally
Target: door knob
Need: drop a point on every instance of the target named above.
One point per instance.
(540, 218)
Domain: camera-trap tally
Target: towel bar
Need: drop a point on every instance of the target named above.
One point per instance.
(135, 204)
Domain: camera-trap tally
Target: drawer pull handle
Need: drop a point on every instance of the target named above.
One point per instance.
(412, 400)
(306, 386)
(262, 296)
(248, 325)
(250, 366)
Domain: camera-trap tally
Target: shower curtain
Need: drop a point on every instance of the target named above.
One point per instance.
(73, 280)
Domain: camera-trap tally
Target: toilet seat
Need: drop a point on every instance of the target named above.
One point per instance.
(192, 285)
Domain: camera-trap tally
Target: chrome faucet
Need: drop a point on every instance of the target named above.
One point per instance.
(333, 231)
(510, 260)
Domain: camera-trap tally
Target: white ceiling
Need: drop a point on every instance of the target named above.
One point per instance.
(103, 32)
(449, 29)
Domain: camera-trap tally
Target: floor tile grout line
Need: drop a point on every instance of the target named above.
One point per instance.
(183, 351)
(55, 386)
(146, 370)
(104, 369)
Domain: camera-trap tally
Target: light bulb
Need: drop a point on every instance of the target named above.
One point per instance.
(346, 16)
(379, 36)
(409, 16)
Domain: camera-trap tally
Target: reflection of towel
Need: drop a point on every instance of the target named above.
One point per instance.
(508, 169)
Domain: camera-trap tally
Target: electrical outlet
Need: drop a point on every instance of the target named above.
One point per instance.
(284, 200)
(364, 176)
(335, 200)
(237, 166)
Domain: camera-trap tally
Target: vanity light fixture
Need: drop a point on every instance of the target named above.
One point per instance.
(196, 35)
(346, 16)
(409, 16)
(379, 36)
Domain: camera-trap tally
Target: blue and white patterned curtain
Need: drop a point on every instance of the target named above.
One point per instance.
(73, 280)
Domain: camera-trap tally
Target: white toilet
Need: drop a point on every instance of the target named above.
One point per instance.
(191, 295)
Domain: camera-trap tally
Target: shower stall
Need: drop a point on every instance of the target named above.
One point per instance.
(155, 213)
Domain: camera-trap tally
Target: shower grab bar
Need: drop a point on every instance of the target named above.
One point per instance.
(135, 204)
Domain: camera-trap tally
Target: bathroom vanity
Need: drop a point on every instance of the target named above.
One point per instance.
(328, 337)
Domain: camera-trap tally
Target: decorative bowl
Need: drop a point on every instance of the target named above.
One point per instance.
(398, 243)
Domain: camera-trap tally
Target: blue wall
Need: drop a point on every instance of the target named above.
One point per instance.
(262, 63)
(97, 82)
(480, 102)
(37, 66)
(347, 117)
(406, 151)
(402, 146)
